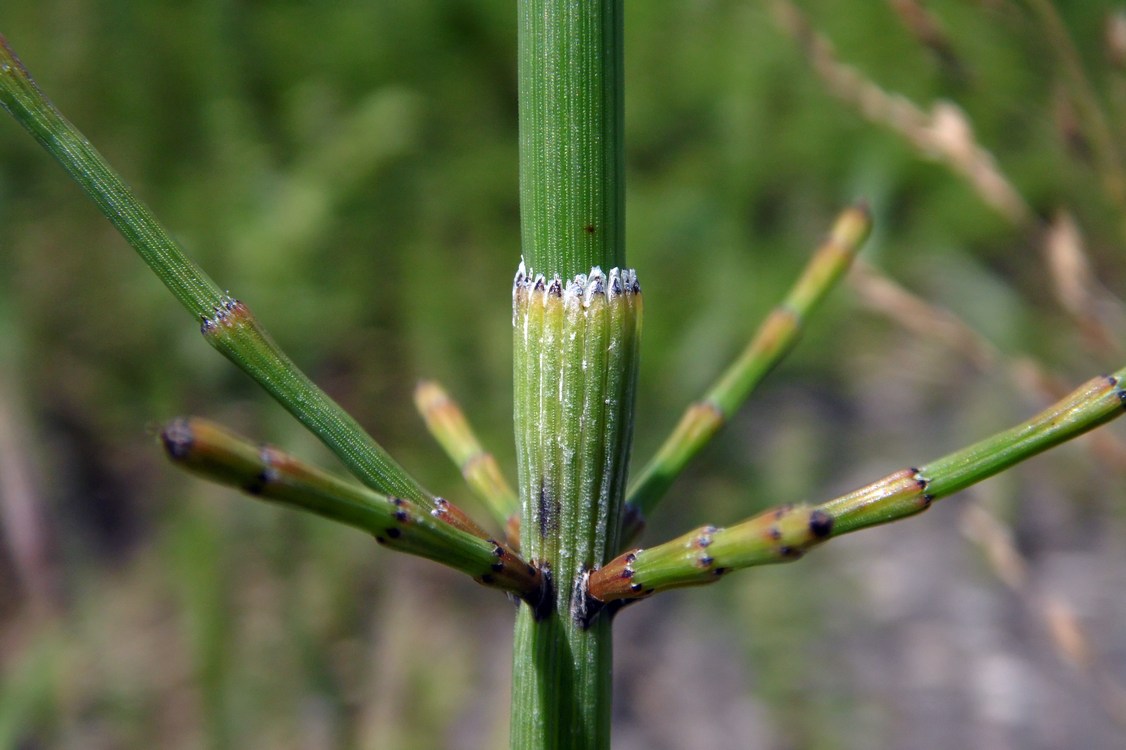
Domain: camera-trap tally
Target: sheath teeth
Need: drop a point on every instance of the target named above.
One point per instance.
(584, 287)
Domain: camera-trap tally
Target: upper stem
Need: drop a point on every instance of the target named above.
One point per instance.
(571, 188)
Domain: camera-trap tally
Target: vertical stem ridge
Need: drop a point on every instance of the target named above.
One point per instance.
(621, 377)
(550, 422)
(572, 388)
(592, 436)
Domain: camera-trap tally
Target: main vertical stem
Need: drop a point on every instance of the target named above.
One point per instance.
(576, 324)
(571, 188)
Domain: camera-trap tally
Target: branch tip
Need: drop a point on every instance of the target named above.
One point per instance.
(177, 438)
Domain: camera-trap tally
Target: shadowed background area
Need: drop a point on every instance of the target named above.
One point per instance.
(349, 170)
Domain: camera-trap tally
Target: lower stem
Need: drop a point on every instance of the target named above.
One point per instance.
(575, 345)
(561, 679)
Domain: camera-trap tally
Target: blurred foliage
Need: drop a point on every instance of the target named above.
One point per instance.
(349, 169)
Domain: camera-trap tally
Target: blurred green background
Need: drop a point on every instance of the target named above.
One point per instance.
(350, 170)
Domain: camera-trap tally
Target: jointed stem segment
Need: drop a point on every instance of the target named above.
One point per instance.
(773, 340)
(573, 398)
(443, 534)
(575, 367)
(237, 335)
(785, 533)
(576, 356)
(572, 190)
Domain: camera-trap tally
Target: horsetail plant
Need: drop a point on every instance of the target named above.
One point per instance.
(565, 553)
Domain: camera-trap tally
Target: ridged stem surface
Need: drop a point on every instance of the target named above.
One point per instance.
(575, 354)
(571, 189)
(576, 363)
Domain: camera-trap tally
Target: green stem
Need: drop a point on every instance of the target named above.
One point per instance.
(227, 323)
(786, 533)
(771, 342)
(575, 355)
(576, 360)
(571, 158)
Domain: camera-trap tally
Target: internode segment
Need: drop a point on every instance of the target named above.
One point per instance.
(575, 371)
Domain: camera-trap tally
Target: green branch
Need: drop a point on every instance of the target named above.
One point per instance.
(771, 342)
(443, 534)
(786, 533)
(226, 323)
(447, 423)
(237, 335)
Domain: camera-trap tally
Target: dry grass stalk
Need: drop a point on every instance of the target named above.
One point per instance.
(944, 134)
(1096, 311)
